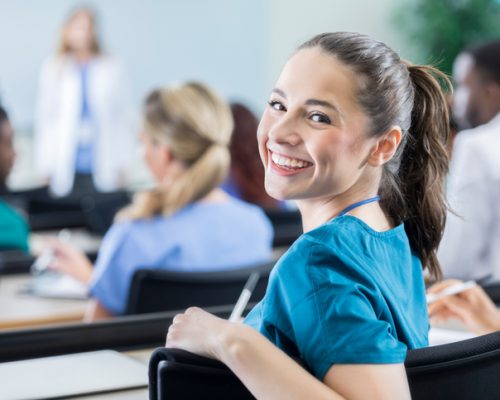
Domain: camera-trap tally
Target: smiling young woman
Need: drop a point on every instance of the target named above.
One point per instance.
(358, 138)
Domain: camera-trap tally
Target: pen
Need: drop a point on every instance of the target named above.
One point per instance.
(245, 295)
(43, 261)
(450, 290)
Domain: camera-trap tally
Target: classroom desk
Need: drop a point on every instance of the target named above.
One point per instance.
(132, 394)
(21, 310)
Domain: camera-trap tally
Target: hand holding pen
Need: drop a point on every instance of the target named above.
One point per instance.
(466, 302)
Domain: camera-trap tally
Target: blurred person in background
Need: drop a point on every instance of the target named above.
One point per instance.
(470, 248)
(186, 223)
(83, 133)
(14, 229)
(472, 307)
(246, 176)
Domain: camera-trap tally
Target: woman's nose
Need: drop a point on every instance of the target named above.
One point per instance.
(285, 131)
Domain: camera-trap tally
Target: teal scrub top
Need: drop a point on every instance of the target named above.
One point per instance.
(14, 229)
(344, 293)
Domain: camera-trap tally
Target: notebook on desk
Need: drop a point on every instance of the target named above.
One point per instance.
(71, 375)
(54, 285)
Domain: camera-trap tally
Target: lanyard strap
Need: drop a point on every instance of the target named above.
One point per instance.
(358, 204)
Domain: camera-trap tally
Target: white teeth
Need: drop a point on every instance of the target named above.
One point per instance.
(288, 162)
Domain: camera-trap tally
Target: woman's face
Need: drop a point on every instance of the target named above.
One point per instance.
(7, 152)
(155, 156)
(79, 32)
(312, 134)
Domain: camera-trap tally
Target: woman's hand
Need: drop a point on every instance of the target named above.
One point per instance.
(198, 331)
(473, 307)
(71, 261)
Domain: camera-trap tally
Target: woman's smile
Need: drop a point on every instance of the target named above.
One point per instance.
(285, 165)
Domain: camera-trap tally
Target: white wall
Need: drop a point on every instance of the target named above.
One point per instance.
(237, 46)
(221, 42)
(294, 21)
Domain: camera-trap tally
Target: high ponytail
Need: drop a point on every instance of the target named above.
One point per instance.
(424, 165)
(391, 93)
(196, 126)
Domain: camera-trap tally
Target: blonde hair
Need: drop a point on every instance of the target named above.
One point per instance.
(196, 125)
(64, 46)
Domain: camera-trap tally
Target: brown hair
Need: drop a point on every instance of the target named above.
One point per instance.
(196, 125)
(393, 92)
(64, 47)
(247, 171)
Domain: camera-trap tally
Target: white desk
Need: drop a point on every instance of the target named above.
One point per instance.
(21, 310)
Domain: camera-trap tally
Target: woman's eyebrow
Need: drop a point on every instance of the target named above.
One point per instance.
(323, 103)
(280, 92)
(312, 102)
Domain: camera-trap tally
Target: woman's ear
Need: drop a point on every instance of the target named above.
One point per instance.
(385, 147)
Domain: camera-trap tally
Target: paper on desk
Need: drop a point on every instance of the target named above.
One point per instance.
(54, 285)
(70, 375)
(439, 336)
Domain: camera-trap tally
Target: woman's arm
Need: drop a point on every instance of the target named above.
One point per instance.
(71, 261)
(269, 373)
(96, 312)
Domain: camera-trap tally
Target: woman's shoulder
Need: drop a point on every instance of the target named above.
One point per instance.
(343, 243)
(128, 230)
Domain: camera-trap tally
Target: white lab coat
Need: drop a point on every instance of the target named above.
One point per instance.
(58, 117)
(470, 248)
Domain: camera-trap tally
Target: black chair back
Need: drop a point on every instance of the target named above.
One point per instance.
(178, 374)
(492, 289)
(15, 262)
(154, 290)
(287, 225)
(463, 370)
(468, 369)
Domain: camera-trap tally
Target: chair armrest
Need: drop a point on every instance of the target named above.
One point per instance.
(178, 374)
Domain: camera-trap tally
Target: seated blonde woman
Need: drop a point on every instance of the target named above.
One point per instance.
(185, 223)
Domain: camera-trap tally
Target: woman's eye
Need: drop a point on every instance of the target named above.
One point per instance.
(277, 105)
(321, 118)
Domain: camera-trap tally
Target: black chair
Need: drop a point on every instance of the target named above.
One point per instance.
(468, 369)
(15, 262)
(492, 289)
(154, 290)
(457, 371)
(46, 212)
(287, 225)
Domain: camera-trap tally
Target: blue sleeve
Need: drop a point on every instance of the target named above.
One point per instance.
(119, 256)
(339, 318)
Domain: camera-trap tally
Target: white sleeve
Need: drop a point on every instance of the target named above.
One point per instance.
(467, 227)
(45, 119)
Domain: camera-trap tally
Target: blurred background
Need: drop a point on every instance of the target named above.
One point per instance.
(237, 47)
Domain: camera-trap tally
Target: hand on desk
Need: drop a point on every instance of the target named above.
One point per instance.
(71, 261)
(473, 307)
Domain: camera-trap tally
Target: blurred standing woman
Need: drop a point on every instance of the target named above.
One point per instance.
(83, 133)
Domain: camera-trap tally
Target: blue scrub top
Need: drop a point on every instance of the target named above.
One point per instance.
(200, 237)
(346, 294)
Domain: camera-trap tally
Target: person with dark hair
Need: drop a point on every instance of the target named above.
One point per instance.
(358, 137)
(14, 229)
(470, 248)
(246, 174)
(83, 129)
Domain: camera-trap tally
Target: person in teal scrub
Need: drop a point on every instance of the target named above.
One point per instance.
(357, 136)
(14, 229)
